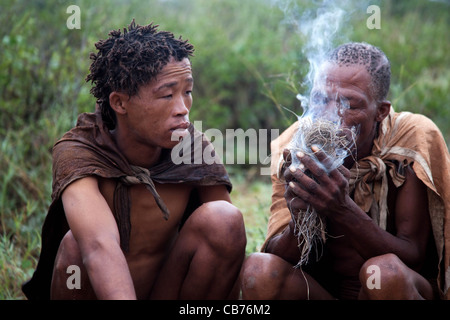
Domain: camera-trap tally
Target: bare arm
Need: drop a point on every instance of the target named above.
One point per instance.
(95, 230)
(285, 245)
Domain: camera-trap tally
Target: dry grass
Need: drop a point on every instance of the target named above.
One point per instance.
(336, 142)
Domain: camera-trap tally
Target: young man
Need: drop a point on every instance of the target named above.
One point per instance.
(131, 222)
(387, 218)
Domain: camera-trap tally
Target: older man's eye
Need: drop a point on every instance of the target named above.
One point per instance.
(319, 100)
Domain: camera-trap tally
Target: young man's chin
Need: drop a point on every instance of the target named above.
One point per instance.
(177, 136)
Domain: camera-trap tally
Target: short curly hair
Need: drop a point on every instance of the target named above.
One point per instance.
(126, 61)
(372, 58)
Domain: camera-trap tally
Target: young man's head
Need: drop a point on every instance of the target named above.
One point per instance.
(127, 61)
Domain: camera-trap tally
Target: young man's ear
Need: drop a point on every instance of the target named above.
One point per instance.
(117, 101)
(383, 110)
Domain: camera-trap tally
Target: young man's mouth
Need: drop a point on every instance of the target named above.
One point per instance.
(181, 127)
(180, 131)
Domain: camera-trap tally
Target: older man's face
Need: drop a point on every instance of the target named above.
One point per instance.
(342, 93)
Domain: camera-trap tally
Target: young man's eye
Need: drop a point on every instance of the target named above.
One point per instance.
(169, 96)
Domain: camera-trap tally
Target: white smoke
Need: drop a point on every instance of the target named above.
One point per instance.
(322, 25)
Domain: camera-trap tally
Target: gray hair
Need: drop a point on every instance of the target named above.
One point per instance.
(372, 58)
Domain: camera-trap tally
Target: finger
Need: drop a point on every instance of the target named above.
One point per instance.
(328, 162)
(335, 174)
(287, 157)
(288, 177)
(316, 168)
(305, 189)
(293, 173)
(341, 176)
(323, 158)
(294, 203)
(286, 154)
(344, 171)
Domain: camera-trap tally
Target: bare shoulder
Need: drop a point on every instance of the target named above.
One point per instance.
(83, 185)
(82, 194)
(85, 209)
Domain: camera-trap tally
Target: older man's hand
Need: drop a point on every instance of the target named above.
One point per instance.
(316, 183)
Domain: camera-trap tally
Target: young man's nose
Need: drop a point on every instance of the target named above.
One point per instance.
(181, 107)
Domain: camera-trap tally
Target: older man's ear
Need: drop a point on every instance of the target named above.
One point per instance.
(383, 110)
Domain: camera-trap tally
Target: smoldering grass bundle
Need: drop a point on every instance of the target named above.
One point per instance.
(336, 143)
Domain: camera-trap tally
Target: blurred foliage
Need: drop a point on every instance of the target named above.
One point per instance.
(248, 66)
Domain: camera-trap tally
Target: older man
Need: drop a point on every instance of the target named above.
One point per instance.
(126, 222)
(386, 209)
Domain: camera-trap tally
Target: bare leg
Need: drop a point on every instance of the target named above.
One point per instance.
(69, 255)
(397, 281)
(267, 276)
(207, 256)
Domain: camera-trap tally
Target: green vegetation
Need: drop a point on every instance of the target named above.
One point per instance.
(248, 65)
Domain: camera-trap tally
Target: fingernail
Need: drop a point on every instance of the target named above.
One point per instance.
(301, 167)
(314, 148)
(291, 184)
(292, 168)
(300, 154)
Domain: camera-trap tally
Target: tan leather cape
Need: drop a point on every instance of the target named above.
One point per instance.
(410, 139)
(89, 150)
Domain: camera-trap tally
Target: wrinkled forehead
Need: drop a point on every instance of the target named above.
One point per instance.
(332, 78)
(176, 67)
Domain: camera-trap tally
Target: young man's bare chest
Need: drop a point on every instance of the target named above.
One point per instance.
(151, 235)
(147, 220)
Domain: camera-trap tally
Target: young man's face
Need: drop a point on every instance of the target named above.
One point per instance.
(344, 92)
(161, 108)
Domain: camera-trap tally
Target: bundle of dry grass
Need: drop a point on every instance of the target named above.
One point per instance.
(330, 138)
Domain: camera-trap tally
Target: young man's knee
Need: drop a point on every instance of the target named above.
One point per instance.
(68, 253)
(68, 259)
(222, 224)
